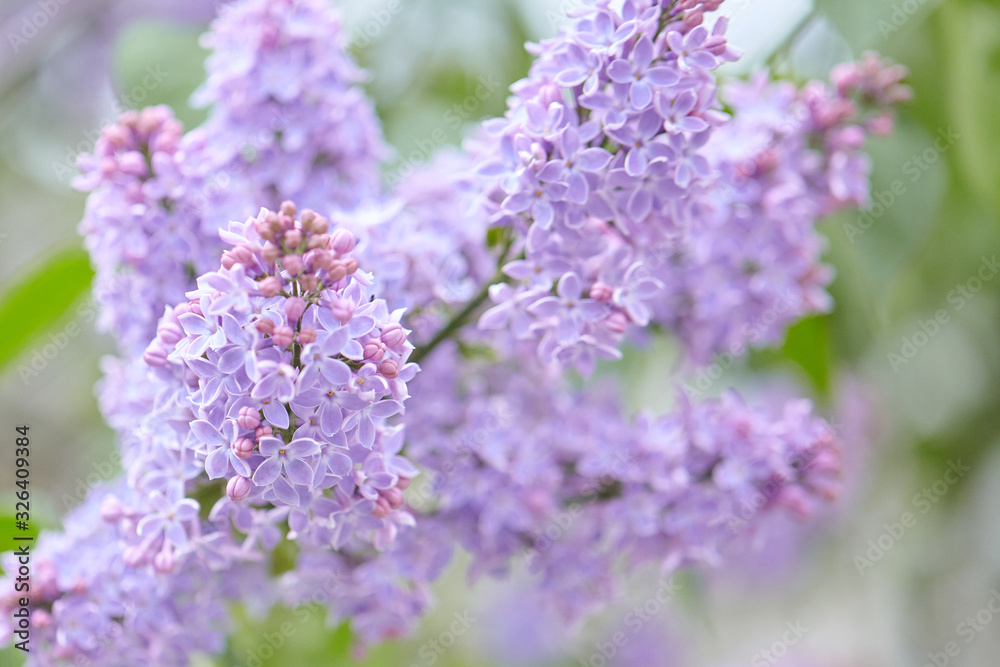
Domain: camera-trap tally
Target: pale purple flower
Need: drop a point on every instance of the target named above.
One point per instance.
(168, 517)
(691, 50)
(642, 79)
(284, 465)
(570, 309)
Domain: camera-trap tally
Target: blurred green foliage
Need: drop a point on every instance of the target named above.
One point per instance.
(40, 299)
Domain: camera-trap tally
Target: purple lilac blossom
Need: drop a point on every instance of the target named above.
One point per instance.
(615, 164)
(288, 121)
(618, 193)
(523, 469)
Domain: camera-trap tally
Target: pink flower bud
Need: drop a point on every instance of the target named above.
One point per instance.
(263, 432)
(243, 447)
(343, 310)
(134, 556)
(288, 208)
(263, 227)
(351, 265)
(294, 307)
(195, 307)
(285, 222)
(616, 322)
(133, 164)
(283, 336)
(228, 261)
(337, 270)
(292, 264)
(306, 218)
(394, 335)
(41, 619)
(242, 254)
(309, 282)
(601, 292)
(248, 418)
(403, 483)
(270, 253)
(182, 309)
(388, 369)
(165, 561)
(307, 336)
(342, 241)
(169, 333)
(319, 242)
(693, 19)
(393, 496)
(880, 125)
(374, 350)
(320, 225)
(155, 355)
(382, 508)
(265, 325)
(293, 239)
(269, 286)
(321, 259)
(238, 488)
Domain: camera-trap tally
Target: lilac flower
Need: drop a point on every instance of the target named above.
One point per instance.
(169, 518)
(537, 196)
(275, 378)
(284, 465)
(319, 359)
(570, 309)
(327, 405)
(81, 623)
(222, 455)
(581, 68)
(367, 384)
(578, 162)
(361, 412)
(639, 76)
(691, 50)
(676, 111)
(638, 138)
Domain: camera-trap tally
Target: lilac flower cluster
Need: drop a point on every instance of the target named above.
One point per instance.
(752, 267)
(259, 399)
(598, 166)
(144, 238)
(638, 201)
(289, 117)
(425, 249)
(91, 606)
(520, 467)
(292, 371)
(288, 121)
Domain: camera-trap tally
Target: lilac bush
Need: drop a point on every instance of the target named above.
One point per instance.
(326, 386)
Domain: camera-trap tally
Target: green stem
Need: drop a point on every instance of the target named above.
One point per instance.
(461, 318)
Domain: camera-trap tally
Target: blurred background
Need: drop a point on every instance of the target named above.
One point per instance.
(907, 366)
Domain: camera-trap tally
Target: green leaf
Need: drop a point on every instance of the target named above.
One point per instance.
(972, 96)
(808, 345)
(34, 304)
